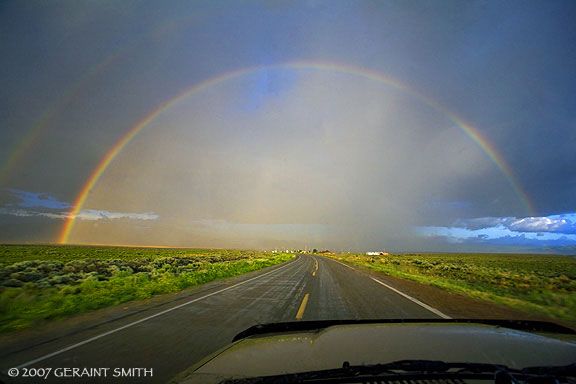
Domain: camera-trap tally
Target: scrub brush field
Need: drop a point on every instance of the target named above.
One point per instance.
(39, 283)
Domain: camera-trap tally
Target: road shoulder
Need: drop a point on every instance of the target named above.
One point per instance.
(456, 305)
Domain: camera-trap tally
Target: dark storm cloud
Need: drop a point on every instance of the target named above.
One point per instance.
(364, 161)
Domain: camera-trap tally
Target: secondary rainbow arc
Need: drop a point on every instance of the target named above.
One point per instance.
(467, 128)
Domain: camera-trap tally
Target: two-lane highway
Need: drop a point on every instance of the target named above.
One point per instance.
(172, 337)
(337, 291)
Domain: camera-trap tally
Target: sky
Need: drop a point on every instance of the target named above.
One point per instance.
(420, 126)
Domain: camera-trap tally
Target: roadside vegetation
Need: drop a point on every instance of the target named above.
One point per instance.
(39, 283)
(541, 284)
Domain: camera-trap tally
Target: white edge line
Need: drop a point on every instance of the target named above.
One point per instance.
(431, 309)
(73, 346)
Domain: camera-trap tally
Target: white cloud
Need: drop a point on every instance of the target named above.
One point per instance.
(555, 233)
(92, 214)
(561, 224)
(542, 224)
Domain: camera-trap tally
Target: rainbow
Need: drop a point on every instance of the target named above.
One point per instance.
(468, 129)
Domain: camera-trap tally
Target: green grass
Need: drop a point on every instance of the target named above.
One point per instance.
(39, 283)
(540, 284)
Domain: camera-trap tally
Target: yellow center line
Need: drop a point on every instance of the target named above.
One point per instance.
(315, 268)
(302, 307)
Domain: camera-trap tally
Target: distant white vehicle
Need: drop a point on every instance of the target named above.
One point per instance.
(376, 253)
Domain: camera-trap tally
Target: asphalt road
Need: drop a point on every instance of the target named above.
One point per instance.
(171, 337)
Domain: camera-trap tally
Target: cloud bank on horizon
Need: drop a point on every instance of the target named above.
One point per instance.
(361, 148)
(44, 205)
(563, 224)
(534, 233)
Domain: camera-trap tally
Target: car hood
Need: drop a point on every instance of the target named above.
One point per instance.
(367, 344)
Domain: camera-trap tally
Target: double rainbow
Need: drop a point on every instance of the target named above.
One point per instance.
(468, 129)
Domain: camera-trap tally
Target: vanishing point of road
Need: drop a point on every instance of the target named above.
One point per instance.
(171, 336)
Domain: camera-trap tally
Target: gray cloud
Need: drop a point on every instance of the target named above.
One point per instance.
(479, 223)
(86, 214)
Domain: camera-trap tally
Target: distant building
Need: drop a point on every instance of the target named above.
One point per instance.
(377, 253)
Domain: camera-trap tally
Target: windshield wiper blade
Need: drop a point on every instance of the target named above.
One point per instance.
(412, 369)
(563, 370)
(418, 370)
(439, 366)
